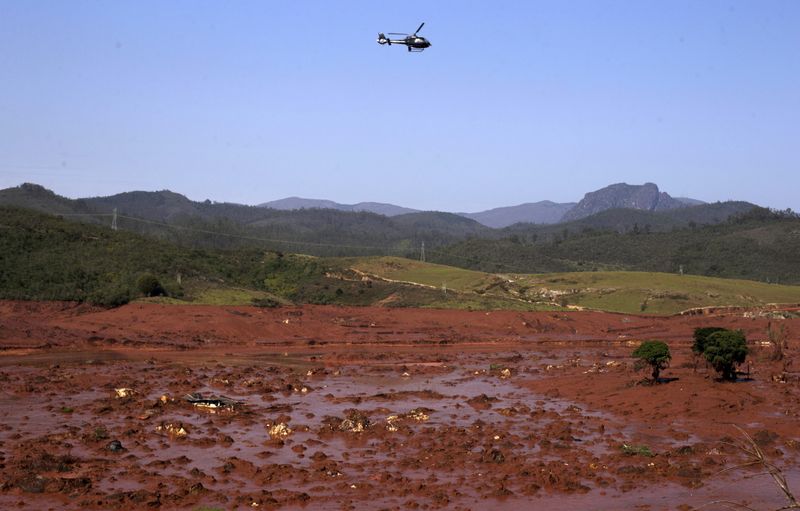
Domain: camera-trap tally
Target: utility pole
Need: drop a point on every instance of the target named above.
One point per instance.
(422, 253)
(114, 220)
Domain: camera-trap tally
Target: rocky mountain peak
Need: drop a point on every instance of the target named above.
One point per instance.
(622, 195)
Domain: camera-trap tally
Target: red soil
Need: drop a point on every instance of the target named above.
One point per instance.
(444, 424)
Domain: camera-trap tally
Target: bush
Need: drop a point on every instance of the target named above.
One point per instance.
(724, 350)
(148, 285)
(637, 450)
(777, 339)
(655, 354)
(113, 295)
(267, 303)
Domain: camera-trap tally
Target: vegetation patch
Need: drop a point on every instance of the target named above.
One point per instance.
(637, 450)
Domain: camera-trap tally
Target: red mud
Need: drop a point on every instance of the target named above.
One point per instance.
(378, 409)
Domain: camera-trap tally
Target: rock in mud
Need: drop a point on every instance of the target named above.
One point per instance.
(115, 446)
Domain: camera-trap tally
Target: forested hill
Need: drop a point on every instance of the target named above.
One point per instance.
(325, 232)
(207, 224)
(44, 257)
(759, 245)
(624, 220)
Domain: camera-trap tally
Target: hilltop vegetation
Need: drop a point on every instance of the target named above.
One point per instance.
(321, 232)
(48, 258)
(327, 232)
(758, 245)
(45, 257)
(731, 240)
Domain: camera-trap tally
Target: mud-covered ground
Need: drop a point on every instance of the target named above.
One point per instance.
(368, 408)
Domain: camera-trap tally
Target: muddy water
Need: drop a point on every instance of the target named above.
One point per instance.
(388, 409)
(455, 430)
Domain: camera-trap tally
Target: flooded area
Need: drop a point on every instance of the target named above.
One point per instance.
(491, 424)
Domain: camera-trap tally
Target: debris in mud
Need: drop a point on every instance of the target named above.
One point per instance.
(492, 456)
(115, 446)
(481, 402)
(765, 438)
(279, 430)
(512, 411)
(122, 392)
(355, 421)
(391, 422)
(175, 430)
(148, 414)
(417, 414)
(212, 403)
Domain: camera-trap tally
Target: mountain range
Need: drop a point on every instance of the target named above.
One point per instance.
(733, 239)
(645, 197)
(333, 232)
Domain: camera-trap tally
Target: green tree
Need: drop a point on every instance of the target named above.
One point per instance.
(655, 354)
(724, 350)
(700, 336)
(148, 285)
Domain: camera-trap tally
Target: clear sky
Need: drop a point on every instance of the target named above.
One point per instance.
(516, 101)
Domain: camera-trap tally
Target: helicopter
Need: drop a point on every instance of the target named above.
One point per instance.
(414, 42)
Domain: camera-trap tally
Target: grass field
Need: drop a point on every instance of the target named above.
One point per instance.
(658, 293)
(619, 291)
(433, 275)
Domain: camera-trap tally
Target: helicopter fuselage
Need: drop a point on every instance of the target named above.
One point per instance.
(414, 42)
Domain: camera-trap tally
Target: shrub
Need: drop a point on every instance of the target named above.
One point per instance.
(724, 350)
(777, 339)
(267, 303)
(114, 294)
(655, 354)
(637, 450)
(148, 285)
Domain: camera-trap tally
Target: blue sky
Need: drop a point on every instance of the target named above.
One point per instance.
(514, 102)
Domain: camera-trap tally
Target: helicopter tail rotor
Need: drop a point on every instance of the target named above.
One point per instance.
(383, 40)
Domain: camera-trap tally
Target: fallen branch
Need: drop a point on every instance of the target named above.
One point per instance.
(757, 457)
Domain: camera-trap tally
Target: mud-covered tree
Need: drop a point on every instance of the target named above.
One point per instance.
(725, 350)
(777, 339)
(654, 354)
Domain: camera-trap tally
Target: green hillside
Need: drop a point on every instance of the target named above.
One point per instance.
(322, 232)
(759, 245)
(332, 233)
(618, 291)
(44, 257)
(652, 293)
